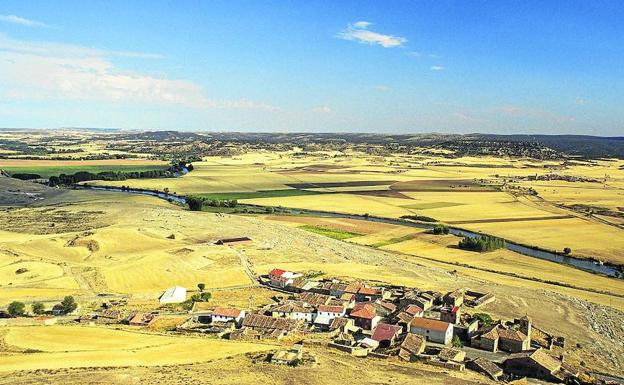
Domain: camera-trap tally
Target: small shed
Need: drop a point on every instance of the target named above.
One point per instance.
(176, 294)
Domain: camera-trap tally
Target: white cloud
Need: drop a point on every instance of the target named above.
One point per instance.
(65, 50)
(322, 109)
(21, 21)
(437, 68)
(36, 71)
(581, 101)
(359, 32)
(414, 54)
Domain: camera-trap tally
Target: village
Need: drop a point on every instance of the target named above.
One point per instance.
(370, 321)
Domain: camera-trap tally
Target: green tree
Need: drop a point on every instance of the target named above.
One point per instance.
(69, 304)
(440, 229)
(195, 203)
(201, 286)
(567, 250)
(456, 342)
(16, 309)
(38, 308)
(484, 318)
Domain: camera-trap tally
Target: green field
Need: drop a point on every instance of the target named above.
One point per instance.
(48, 171)
(331, 233)
(258, 194)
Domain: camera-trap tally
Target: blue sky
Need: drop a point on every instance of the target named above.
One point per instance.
(365, 66)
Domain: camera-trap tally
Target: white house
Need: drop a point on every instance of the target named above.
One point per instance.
(224, 314)
(326, 314)
(282, 278)
(433, 330)
(176, 294)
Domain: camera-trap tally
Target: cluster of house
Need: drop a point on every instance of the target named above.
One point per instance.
(390, 321)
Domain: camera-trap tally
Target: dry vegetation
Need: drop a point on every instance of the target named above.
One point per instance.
(86, 243)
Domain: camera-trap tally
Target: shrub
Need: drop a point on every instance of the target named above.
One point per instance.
(421, 218)
(440, 230)
(195, 203)
(201, 286)
(202, 297)
(16, 309)
(456, 342)
(38, 308)
(481, 243)
(567, 250)
(24, 176)
(69, 304)
(484, 318)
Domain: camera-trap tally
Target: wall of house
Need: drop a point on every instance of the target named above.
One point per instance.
(442, 337)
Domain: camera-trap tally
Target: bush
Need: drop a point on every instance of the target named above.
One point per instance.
(567, 250)
(24, 176)
(68, 304)
(202, 297)
(440, 230)
(484, 318)
(38, 308)
(201, 286)
(456, 342)
(421, 218)
(16, 309)
(195, 203)
(481, 243)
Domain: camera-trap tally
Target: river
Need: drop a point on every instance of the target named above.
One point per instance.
(583, 264)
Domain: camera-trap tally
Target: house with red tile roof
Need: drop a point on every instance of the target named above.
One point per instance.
(281, 278)
(365, 316)
(226, 314)
(386, 334)
(433, 330)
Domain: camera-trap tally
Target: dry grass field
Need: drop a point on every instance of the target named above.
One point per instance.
(460, 192)
(332, 367)
(56, 347)
(136, 246)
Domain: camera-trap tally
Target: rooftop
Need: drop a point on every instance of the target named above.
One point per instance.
(430, 324)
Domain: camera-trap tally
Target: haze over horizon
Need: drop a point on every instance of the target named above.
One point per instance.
(403, 67)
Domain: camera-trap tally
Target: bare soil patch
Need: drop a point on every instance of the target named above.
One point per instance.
(356, 183)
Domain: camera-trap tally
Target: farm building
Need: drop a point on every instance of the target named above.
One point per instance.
(294, 310)
(385, 334)
(176, 294)
(223, 314)
(450, 314)
(288, 357)
(281, 278)
(226, 241)
(433, 330)
(365, 316)
(538, 364)
(143, 319)
(412, 346)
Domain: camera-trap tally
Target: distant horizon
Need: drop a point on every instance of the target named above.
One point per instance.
(114, 129)
(536, 67)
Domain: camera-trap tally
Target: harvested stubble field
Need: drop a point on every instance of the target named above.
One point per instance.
(59, 347)
(332, 368)
(136, 257)
(47, 168)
